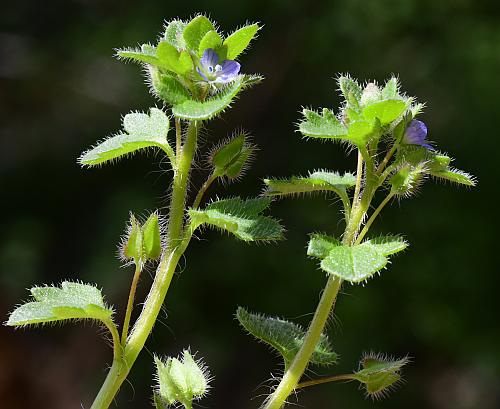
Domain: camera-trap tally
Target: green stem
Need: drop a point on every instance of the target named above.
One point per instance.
(203, 189)
(373, 217)
(294, 373)
(130, 303)
(326, 379)
(290, 380)
(359, 178)
(177, 243)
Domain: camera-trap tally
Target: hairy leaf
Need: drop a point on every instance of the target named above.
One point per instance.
(70, 301)
(195, 30)
(142, 131)
(285, 337)
(197, 110)
(169, 88)
(351, 91)
(238, 41)
(173, 60)
(317, 181)
(212, 40)
(385, 111)
(241, 218)
(354, 263)
(325, 125)
(173, 34)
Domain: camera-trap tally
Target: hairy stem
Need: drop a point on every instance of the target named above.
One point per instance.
(130, 303)
(294, 373)
(177, 243)
(290, 380)
(326, 379)
(203, 190)
(359, 178)
(373, 217)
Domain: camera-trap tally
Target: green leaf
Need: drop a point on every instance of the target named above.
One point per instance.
(181, 380)
(169, 88)
(354, 263)
(238, 41)
(212, 40)
(320, 245)
(241, 218)
(318, 181)
(391, 89)
(195, 30)
(361, 132)
(324, 125)
(196, 110)
(151, 237)
(351, 91)
(387, 245)
(71, 301)
(227, 153)
(142, 131)
(147, 54)
(159, 402)
(171, 59)
(455, 176)
(379, 374)
(385, 111)
(173, 34)
(285, 337)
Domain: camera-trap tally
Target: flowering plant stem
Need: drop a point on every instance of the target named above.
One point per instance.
(293, 374)
(178, 241)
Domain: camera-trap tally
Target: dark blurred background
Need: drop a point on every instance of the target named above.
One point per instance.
(61, 90)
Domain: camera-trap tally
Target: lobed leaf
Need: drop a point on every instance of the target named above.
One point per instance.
(70, 301)
(197, 110)
(317, 181)
(142, 131)
(239, 217)
(354, 263)
(285, 337)
(325, 125)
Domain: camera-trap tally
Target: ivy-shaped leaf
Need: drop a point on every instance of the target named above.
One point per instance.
(142, 131)
(70, 301)
(197, 110)
(354, 263)
(324, 126)
(241, 218)
(317, 181)
(285, 337)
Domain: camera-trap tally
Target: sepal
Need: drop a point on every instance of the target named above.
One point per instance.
(180, 380)
(142, 242)
(231, 158)
(379, 374)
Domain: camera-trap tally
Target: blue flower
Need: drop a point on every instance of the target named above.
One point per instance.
(415, 134)
(213, 72)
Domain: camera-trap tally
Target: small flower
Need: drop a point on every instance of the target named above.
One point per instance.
(415, 134)
(213, 72)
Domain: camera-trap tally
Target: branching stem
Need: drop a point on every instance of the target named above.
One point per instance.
(203, 189)
(130, 303)
(373, 217)
(326, 379)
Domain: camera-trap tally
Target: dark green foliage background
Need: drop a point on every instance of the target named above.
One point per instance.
(61, 91)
